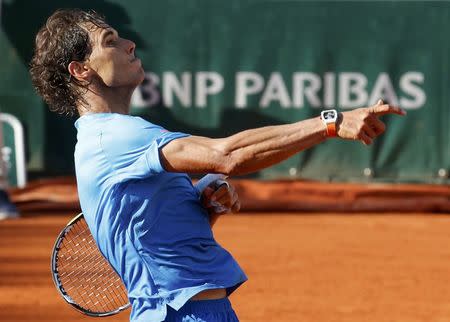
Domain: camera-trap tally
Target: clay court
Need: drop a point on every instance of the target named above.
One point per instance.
(301, 267)
(340, 232)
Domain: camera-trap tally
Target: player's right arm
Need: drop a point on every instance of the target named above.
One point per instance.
(256, 149)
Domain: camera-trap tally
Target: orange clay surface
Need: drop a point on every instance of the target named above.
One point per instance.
(314, 268)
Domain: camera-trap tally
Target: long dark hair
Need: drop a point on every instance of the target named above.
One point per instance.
(64, 38)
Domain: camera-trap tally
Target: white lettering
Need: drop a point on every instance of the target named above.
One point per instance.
(171, 86)
(247, 83)
(383, 89)
(343, 90)
(147, 93)
(310, 92)
(352, 85)
(275, 91)
(203, 89)
(329, 89)
(407, 85)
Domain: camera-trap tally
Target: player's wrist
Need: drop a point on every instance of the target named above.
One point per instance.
(330, 118)
(322, 128)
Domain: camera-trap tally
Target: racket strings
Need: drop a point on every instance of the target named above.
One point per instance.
(85, 275)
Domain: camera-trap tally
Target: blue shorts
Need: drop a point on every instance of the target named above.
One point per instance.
(203, 311)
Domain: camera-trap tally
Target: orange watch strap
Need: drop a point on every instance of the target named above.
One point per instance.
(331, 129)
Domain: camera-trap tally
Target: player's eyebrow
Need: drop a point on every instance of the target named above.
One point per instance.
(108, 32)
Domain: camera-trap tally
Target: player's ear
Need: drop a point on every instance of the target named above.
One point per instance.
(80, 71)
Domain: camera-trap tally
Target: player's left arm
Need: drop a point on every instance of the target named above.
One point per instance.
(220, 198)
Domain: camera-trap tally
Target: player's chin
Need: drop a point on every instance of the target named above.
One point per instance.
(137, 79)
(140, 76)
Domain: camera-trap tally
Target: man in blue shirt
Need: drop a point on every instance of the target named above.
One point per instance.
(138, 201)
(163, 246)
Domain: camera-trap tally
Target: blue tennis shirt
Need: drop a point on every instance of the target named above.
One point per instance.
(147, 222)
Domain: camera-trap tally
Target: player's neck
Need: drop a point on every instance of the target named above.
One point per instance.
(107, 100)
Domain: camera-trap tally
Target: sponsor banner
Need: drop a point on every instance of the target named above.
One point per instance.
(217, 67)
(346, 90)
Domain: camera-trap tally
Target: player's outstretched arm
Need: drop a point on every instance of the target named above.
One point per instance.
(252, 150)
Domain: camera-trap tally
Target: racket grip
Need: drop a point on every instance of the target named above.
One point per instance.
(218, 207)
(207, 180)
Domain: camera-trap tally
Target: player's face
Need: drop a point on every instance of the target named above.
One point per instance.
(113, 59)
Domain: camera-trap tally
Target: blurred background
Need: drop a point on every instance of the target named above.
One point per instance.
(217, 67)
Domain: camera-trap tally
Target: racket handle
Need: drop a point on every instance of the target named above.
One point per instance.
(207, 180)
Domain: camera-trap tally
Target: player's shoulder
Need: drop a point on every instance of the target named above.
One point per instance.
(130, 131)
(127, 125)
(103, 121)
(129, 120)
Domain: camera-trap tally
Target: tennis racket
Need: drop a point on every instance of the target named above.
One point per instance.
(81, 274)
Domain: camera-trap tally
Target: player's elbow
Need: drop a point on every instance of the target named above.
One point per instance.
(232, 163)
(230, 168)
(223, 162)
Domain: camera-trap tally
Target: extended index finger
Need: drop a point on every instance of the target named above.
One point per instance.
(384, 109)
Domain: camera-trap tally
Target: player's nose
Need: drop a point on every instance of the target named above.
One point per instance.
(130, 46)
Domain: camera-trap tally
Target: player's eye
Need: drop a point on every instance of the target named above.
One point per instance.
(110, 42)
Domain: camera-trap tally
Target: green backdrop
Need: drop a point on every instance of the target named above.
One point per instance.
(216, 67)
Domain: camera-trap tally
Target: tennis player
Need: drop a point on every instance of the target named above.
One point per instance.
(132, 175)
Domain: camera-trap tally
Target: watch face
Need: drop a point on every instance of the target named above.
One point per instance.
(329, 115)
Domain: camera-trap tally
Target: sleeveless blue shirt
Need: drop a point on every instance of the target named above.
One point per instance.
(147, 222)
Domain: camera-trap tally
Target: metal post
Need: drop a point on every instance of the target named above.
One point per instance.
(19, 149)
(3, 181)
(2, 164)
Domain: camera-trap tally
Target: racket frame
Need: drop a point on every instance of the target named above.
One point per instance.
(57, 281)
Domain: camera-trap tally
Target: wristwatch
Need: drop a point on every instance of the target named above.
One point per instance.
(329, 117)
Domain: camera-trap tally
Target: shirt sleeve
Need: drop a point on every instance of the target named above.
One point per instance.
(131, 147)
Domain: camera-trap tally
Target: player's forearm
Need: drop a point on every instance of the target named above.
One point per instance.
(256, 149)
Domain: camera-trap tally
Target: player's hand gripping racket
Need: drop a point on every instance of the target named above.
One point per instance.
(83, 276)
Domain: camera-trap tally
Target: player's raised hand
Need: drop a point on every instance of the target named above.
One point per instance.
(363, 124)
